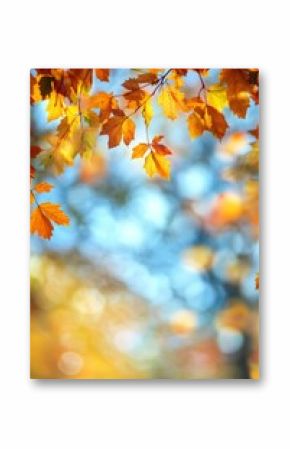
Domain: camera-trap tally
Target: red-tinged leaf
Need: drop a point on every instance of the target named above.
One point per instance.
(149, 77)
(34, 151)
(113, 128)
(161, 149)
(131, 84)
(32, 172)
(157, 139)
(102, 74)
(181, 72)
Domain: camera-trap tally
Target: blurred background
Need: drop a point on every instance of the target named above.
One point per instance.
(153, 278)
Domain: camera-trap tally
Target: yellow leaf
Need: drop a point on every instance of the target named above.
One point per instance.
(92, 118)
(156, 163)
(171, 101)
(128, 130)
(55, 106)
(61, 154)
(216, 96)
(148, 111)
(85, 141)
(72, 112)
(149, 165)
(195, 125)
(139, 150)
(43, 187)
(40, 224)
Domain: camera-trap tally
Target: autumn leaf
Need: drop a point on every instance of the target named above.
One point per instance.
(157, 164)
(41, 217)
(53, 212)
(239, 89)
(34, 151)
(43, 187)
(255, 132)
(100, 100)
(160, 148)
(202, 72)
(40, 224)
(55, 106)
(240, 103)
(139, 150)
(85, 141)
(195, 125)
(216, 96)
(143, 78)
(128, 130)
(148, 111)
(104, 101)
(206, 118)
(177, 76)
(131, 84)
(35, 94)
(102, 74)
(148, 77)
(171, 101)
(218, 124)
(117, 127)
(236, 80)
(113, 127)
(61, 153)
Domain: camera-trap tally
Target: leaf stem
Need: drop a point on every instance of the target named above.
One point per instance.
(158, 85)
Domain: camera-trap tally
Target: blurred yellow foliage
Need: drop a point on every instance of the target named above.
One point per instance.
(199, 258)
(183, 322)
(75, 323)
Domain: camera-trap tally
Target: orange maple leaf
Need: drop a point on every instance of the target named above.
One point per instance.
(43, 215)
(206, 118)
(43, 187)
(241, 86)
(118, 127)
(40, 224)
